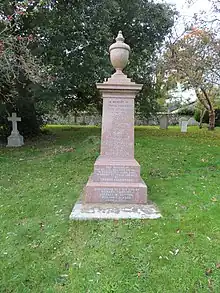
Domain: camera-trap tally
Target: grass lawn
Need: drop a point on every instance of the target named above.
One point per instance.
(42, 251)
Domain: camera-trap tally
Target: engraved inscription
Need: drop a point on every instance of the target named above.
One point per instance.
(118, 133)
(117, 174)
(116, 194)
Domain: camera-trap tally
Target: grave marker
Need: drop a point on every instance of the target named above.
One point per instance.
(184, 125)
(116, 189)
(164, 121)
(15, 139)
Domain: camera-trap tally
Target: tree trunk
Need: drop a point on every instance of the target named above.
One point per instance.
(201, 118)
(211, 119)
(75, 117)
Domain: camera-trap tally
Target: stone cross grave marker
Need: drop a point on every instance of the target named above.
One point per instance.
(184, 125)
(115, 189)
(15, 139)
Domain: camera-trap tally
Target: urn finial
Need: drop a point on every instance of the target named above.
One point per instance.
(119, 53)
(120, 37)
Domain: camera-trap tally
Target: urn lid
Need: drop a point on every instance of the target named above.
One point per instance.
(119, 43)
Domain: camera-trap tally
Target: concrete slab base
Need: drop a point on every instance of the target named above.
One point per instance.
(86, 211)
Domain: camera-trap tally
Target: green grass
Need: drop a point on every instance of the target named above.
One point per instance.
(42, 251)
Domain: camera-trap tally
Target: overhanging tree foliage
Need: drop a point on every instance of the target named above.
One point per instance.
(144, 24)
(194, 61)
(72, 38)
(21, 73)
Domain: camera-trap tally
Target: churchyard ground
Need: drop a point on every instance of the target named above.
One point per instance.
(42, 251)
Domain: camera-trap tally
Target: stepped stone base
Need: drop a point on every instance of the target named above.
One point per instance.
(115, 181)
(117, 192)
(86, 211)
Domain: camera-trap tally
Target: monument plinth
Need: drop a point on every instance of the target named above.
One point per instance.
(115, 189)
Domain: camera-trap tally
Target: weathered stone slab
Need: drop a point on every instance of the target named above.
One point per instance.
(184, 125)
(164, 121)
(82, 211)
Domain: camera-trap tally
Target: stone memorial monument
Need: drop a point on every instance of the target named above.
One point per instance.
(15, 139)
(164, 121)
(184, 125)
(116, 189)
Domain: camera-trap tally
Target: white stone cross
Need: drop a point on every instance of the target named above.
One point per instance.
(14, 119)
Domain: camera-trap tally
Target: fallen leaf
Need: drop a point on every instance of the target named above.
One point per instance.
(214, 199)
(218, 266)
(210, 284)
(34, 245)
(208, 272)
(70, 150)
(139, 274)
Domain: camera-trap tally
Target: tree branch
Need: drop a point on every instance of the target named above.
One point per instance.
(207, 98)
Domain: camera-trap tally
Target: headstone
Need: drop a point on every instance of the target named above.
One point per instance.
(192, 122)
(164, 121)
(15, 139)
(116, 189)
(184, 126)
(181, 119)
(91, 122)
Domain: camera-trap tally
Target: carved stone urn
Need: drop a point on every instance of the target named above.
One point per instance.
(119, 53)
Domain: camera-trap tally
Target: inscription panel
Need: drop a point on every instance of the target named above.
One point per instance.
(117, 174)
(114, 194)
(118, 128)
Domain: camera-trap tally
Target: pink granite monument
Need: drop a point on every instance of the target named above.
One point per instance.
(116, 189)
